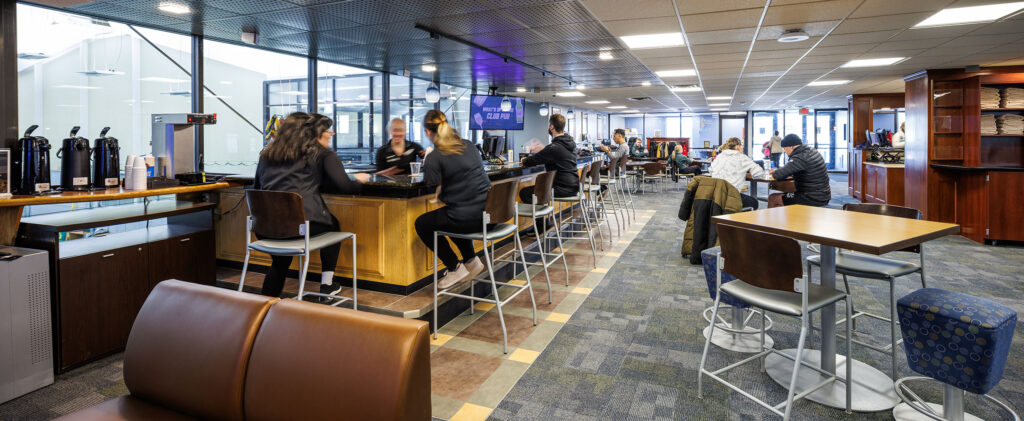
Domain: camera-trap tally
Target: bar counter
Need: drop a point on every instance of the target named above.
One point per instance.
(390, 256)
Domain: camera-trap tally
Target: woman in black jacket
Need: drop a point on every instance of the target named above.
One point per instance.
(299, 160)
(457, 167)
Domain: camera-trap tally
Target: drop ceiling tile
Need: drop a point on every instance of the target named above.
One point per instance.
(814, 29)
(733, 19)
(858, 38)
(723, 36)
(661, 52)
(880, 23)
(638, 9)
(939, 32)
(626, 27)
(809, 12)
(987, 41)
(873, 8)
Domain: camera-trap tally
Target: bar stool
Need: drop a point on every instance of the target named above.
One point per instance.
(500, 208)
(541, 208)
(765, 280)
(596, 202)
(610, 183)
(624, 185)
(279, 220)
(736, 334)
(958, 340)
(579, 199)
(880, 268)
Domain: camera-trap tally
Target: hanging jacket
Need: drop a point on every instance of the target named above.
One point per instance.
(705, 197)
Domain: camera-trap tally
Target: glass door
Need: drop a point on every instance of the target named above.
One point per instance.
(830, 137)
(766, 124)
(734, 126)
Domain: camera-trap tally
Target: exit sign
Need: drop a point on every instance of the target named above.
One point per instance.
(803, 111)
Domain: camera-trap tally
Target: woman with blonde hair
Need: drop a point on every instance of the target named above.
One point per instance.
(732, 165)
(457, 167)
(683, 163)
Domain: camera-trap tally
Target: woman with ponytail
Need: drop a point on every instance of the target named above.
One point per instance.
(457, 167)
(299, 160)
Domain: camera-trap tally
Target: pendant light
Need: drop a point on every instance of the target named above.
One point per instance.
(544, 109)
(506, 104)
(433, 94)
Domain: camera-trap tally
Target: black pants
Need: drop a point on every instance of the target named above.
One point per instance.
(690, 169)
(437, 220)
(749, 201)
(799, 199)
(273, 283)
(775, 159)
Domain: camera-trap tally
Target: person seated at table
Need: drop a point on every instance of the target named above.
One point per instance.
(638, 149)
(300, 160)
(732, 165)
(457, 167)
(899, 139)
(558, 156)
(807, 169)
(683, 163)
(399, 152)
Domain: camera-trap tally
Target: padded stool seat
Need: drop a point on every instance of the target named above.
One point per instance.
(525, 209)
(296, 247)
(783, 302)
(498, 231)
(868, 266)
(735, 334)
(956, 339)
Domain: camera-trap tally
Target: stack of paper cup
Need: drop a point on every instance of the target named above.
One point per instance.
(129, 163)
(139, 174)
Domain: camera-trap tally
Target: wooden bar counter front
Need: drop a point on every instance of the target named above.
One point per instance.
(391, 256)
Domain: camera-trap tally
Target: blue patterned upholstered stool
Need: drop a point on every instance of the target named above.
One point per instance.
(957, 339)
(735, 334)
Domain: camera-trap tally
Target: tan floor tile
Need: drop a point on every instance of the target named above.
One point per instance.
(471, 412)
(444, 407)
(523, 355)
(488, 329)
(458, 374)
(477, 347)
(581, 290)
(541, 298)
(558, 317)
(499, 384)
(542, 335)
(441, 339)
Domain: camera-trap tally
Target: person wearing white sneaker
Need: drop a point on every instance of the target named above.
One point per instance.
(475, 267)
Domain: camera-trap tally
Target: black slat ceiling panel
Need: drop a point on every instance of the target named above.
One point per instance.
(559, 36)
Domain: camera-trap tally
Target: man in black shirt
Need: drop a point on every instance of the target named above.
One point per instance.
(809, 173)
(398, 152)
(558, 156)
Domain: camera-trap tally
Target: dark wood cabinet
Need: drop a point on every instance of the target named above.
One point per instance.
(185, 257)
(1005, 198)
(883, 183)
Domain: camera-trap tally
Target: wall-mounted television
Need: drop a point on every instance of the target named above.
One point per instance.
(485, 113)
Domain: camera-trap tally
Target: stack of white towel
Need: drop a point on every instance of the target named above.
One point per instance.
(988, 124)
(1012, 98)
(1010, 124)
(990, 97)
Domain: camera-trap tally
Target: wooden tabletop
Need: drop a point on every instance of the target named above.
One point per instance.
(869, 233)
(108, 194)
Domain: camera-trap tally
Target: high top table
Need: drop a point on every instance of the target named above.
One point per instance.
(868, 233)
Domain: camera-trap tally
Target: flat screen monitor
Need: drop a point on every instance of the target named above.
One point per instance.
(485, 113)
(873, 138)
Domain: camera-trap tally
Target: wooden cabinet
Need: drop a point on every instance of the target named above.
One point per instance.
(100, 296)
(1005, 197)
(883, 183)
(186, 258)
(856, 178)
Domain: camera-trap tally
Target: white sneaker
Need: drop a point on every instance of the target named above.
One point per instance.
(453, 277)
(475, 267)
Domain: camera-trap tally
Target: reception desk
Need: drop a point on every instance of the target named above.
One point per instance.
(883, 183)
(391, 257)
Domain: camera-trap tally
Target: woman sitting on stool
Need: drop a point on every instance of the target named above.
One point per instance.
(300, 160)
(458, 168)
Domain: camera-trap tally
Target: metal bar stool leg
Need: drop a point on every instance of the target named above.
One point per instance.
(561, 252)
(304, 264)
(355, 276)
(497, 300)
(543, 260)
(435, 285)
(245, 266)
(894, 326)
(529, 283)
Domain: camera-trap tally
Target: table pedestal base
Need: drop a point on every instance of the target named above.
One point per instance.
(748, 342)
(872, 389)
(904, 412)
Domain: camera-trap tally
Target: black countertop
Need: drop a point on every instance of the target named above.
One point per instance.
(963, 168)
(406, 186)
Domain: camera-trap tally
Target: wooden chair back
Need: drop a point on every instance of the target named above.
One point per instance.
(542, 187)
(501, 200)
(761, 259)
(887, 210)
(653, 168)
(595, 173)
(613, 165)
(275, 214)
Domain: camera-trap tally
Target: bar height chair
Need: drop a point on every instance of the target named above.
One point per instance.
(766, 280)
(624, 185)
(541, 208)
(879, 268)
(499, 209)
(611, 185)
(279, 220)
(596, 203)
(579, 199)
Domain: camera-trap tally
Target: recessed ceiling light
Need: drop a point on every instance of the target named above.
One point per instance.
(719, 98)
(793, 35)
(569, 93)
(719, 109)
(645, 83)
(580, 87)
(174, 8)
(690, 88)
(600, 101)
(828, 82)
(870, 62)
(520, 89)
(630, 111)
(735, 113)
(670, 39)
(676, 73)
(605, 55)
(971, 14)
(724, 104)
(429, 68)
(617, 107)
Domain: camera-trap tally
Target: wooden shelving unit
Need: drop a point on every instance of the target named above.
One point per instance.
(953, 172)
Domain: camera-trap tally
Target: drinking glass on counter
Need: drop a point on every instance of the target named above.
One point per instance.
(414, 168)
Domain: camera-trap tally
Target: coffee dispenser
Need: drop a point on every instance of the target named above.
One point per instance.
(179, 155)
(106, 161)
(32, 164)
(74, 162)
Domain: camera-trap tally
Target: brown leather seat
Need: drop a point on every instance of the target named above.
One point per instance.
(318, 362)
(200, 352)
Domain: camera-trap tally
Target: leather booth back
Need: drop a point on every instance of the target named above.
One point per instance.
(189, 348)
(318, 362)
